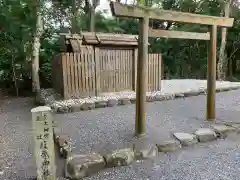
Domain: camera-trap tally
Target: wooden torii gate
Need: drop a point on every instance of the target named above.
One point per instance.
(144, 14)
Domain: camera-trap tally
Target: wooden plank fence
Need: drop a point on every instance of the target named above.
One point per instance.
(115, 70)
(94, 71)
(154, 72)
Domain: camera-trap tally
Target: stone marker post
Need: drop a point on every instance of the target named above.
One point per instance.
(44, 145)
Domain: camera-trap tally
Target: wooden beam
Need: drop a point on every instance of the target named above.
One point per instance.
(142, 64)
(178, 34)
(132, 11)
(211, 75)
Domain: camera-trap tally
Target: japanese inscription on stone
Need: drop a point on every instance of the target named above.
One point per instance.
(44, 145)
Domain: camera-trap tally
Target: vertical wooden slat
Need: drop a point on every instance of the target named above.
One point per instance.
(134, 65)
(78, 58)
(102, 72)
(123, 61)
(112, 70)
(126, 69)
(122, 79)
(86, 72)
(119, 71)
(116, 70)
(160, 71)
(154, 72)
(97, 70)
(64, 66)
(93, 72)
(108, 70)
(83, 71)
(69, 75)
(72, 80)
(100, 68)
(76, 74)
(125, 65)
(148, 78)
(131, 70)
(152, 69)
(90, 71)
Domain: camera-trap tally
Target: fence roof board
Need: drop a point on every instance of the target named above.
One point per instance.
(92, 38)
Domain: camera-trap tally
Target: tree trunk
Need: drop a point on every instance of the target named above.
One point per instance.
(92, 19)
(14, 76)
(92, 16)
(74, 17)
(36, 48)
(223, 61)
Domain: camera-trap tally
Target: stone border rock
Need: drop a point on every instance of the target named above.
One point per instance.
(49, 98)
(83, 165)
(63, 143)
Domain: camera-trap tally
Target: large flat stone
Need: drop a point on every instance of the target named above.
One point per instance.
(112, 102)
(169, 96)
(144, 150)
(222, 129)
(62, 140)
(65, 150)
(83, 165)
(124, 101)
(133, 100)
(186, 139)
(235, 125)
(121, 157)
(100, 104)
(205, 135)
(87, 105)
(159, 97)
(168, 146)
(179, 95)
(191, 93)
(63, 109)
(150, 98)
(75, 107)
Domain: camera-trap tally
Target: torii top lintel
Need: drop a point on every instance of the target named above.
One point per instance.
(122, 10)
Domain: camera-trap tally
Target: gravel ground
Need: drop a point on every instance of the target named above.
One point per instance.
(16, 143)
(108, 128)
(214, 161)
(110, 125)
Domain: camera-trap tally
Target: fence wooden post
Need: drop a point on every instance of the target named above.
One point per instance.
(44, 145)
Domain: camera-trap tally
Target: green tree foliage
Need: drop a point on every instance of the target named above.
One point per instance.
(182, 58)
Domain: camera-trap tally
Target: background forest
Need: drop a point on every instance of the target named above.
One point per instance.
(29, 33)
